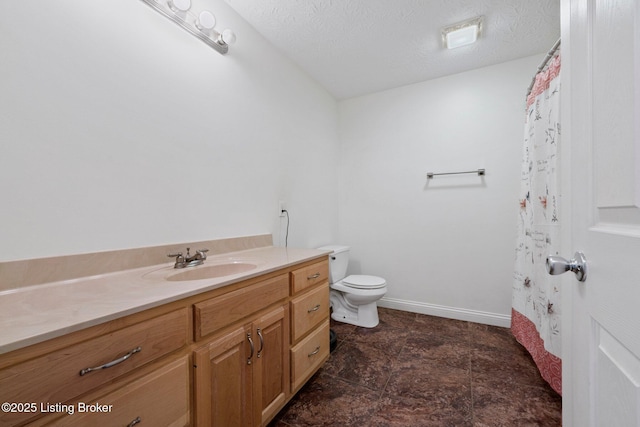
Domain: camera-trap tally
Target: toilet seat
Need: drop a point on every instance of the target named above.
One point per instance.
(360, 281)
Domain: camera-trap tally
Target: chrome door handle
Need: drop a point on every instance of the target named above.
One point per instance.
(85, 371)
(252, 348)
(261, 343)
(558, 265)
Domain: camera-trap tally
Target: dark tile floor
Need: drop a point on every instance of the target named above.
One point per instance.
(417, 370)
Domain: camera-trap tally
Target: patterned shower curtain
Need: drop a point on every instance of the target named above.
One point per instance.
(535, 314)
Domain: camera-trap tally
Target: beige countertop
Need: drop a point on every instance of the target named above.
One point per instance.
(37, 313)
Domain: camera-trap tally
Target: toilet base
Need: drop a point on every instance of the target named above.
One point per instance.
(364, 315)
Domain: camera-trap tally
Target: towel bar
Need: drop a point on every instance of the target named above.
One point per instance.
(480, 172)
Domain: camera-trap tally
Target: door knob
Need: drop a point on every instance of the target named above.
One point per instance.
(558, 265)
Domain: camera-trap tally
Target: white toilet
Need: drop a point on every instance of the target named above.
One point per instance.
(353, 298)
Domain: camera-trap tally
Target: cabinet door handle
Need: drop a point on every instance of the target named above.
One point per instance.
(316, 308)
(314, 352)
(252, 348)
(261, 343)
(313, 276)
(112, 363)
(138, 420)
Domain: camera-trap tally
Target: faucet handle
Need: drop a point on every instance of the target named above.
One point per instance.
(203, 253)
(177, 254)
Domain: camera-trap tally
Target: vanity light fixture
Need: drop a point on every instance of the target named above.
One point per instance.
(462, 33)
(179, 5)
(206, 21)
(201, 25)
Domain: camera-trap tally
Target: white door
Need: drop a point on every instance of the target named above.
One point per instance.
(601, 173)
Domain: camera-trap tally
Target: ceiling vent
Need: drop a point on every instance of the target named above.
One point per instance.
(462, 33)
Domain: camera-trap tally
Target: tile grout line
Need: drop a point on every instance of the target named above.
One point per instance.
(393, 368)
(394, 364)
(470, 348)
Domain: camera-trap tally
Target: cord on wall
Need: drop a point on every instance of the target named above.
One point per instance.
(286, 239)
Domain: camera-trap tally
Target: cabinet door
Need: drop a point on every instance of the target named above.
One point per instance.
(271, 367)
(223, 380)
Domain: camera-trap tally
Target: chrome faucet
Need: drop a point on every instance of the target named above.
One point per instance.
(189, 260)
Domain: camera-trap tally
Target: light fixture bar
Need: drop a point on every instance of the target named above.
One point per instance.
(217, 43)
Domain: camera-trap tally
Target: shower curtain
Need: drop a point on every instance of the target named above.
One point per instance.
(535, 314)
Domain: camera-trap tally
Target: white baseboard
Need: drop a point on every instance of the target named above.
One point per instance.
(483, 317)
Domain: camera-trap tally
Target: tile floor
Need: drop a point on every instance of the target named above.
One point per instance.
(417, 370)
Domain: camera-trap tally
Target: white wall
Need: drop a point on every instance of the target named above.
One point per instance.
(118, 129)
(445, 246)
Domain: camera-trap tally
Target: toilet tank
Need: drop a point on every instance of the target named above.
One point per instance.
(338, 262)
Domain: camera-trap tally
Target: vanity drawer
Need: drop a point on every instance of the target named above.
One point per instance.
(308, 310)
(158, 399)
(216, 313)
(308, 276)
(308, 355)
(58, 377)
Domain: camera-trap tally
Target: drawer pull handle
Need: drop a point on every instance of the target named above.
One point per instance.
(252, 349)
(112, 363)
(316, 308)
(313, 276)
(314, 352)
(261, 343)
(138, 420)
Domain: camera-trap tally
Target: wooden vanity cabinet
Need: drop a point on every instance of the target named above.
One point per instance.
(223, 358)
(309, 276)
(242, 374)
(271, 367)
(52, 372)
(263, 342)
(309, 354)
(310, 321)
(223, 381)
(240, 378)
(308, 310)
(159, 398)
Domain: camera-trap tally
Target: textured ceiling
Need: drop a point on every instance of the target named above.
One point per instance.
(355, 47)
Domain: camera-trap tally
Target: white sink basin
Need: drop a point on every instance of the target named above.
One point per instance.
(210, 271)
(213, 268)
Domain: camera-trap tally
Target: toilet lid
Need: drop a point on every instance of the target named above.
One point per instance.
(360, 281)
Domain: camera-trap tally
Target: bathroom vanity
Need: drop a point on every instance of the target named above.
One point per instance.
(141, 348)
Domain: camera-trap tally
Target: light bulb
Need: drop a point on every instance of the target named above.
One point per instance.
(228, 36)
(206, 21)
(179, 5)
